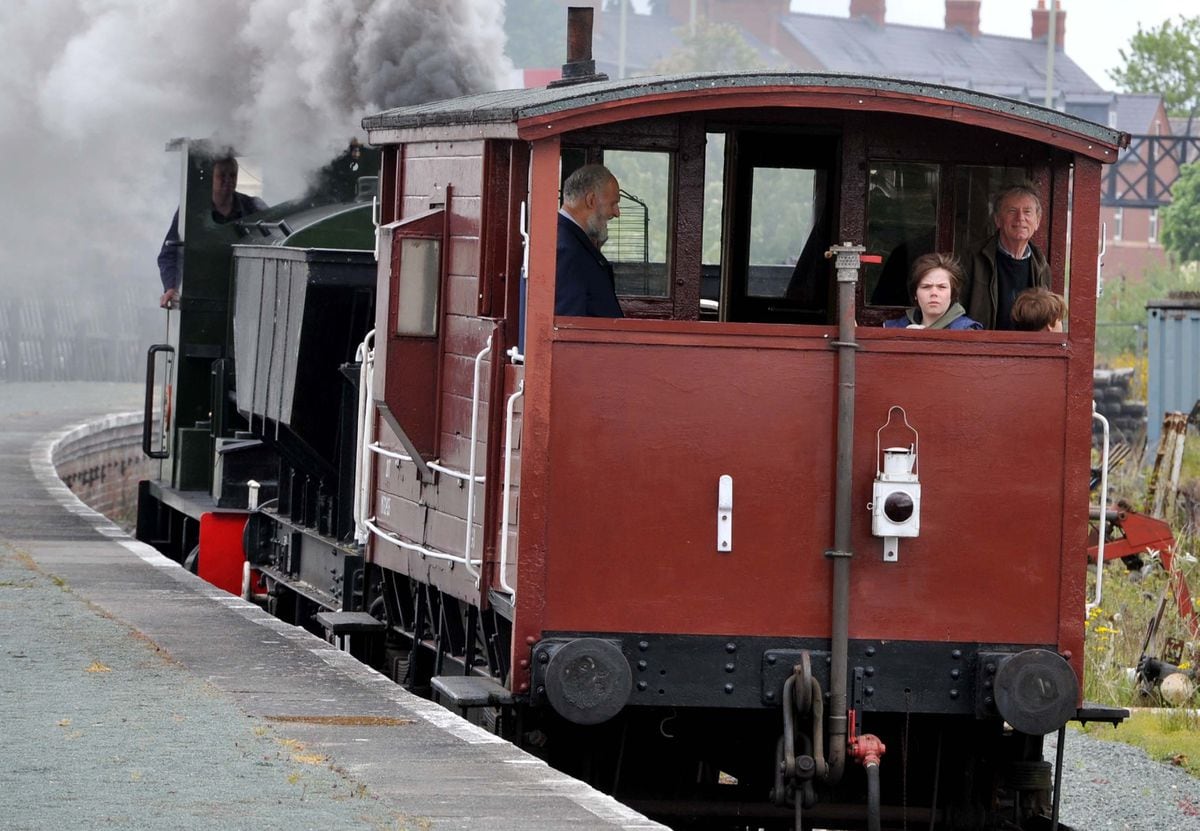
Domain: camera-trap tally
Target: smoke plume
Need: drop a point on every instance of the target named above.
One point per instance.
(91, 91)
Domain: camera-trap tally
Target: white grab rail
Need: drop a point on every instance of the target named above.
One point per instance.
(364, 525)
(468, 545)
(366, 428)
(509, 417)
(395, 539)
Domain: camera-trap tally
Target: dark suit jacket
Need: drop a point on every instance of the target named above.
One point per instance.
(584, 282)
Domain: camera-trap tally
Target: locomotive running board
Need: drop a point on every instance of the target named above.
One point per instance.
(470, 691)
(1090, 711)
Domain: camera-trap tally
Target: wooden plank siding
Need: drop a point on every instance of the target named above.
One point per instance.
(434, 514)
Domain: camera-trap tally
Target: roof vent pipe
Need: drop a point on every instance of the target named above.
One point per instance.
(579, 68)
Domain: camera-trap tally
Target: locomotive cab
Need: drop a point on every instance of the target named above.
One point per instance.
(247, 383)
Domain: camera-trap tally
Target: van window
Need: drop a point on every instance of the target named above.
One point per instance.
(902, 211)
(637, 239)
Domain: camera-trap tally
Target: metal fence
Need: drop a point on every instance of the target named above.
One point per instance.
(73, 337)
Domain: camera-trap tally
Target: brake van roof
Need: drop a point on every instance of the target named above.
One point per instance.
(535, 113)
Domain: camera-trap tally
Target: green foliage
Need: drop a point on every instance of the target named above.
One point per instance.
(714, 196)
(644, 175)
(712, 47)
(1121, 309)
(1115, 630)
(1165, 60)
(534, 29)
(781, 215)
(1181, 219)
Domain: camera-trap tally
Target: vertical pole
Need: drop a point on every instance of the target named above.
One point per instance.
(1050, 49)
(847, 263)
(621, 39)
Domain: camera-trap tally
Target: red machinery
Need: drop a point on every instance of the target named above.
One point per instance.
(1129, 534)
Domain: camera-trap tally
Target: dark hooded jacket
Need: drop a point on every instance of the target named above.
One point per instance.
(955, 319)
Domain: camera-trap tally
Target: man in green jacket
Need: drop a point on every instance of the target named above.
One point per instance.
(1008, 263)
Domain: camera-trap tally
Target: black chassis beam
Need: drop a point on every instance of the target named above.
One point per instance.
(323, 570)
(749, 672)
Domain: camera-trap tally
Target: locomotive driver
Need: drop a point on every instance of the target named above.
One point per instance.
(227, 205)
(584, 282)
(1009, 262)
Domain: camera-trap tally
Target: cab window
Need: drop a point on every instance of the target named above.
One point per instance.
(637, 239)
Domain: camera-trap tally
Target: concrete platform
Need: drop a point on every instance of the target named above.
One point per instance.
(133, 695)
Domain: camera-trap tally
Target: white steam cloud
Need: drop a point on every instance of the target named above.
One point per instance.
(91, 91)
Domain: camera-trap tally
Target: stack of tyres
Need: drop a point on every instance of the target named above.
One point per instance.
(1111, 390)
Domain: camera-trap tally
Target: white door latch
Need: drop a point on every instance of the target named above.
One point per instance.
(725, 514)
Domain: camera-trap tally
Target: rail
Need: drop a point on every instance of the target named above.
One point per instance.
(396, 539)
(509, 416)
(363, 470)
(404, 457)
(468, 545)
(364, 524)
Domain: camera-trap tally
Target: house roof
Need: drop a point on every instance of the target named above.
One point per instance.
(649, 38)
(1137, 112)
(1009, 66)
(1179, 125)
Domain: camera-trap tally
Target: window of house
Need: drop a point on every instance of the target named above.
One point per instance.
(1118, 224)
(1152, 237)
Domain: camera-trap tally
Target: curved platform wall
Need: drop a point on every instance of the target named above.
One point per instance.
(102, 462)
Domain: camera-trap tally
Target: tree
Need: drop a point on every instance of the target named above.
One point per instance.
(711, 47)
(1166, 61)
(1181, 219)
(534, 29)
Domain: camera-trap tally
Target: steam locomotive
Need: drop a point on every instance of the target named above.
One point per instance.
(742, 558)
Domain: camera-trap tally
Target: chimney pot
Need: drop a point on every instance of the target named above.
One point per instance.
(873, 10)
(1041, 24)
(963, 14)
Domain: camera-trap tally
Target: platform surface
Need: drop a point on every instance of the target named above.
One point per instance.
(135, 696)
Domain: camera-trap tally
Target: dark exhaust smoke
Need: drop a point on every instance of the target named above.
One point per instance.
(91, 91)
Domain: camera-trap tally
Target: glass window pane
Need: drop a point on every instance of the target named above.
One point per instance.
(637, 239)
(973, 189)
(714, 201)
(781, 219)
(417, 286)
(902, 209)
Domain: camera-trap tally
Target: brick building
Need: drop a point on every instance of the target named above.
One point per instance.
(958, 54)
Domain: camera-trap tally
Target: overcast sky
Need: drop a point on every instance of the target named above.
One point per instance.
(1096, 29)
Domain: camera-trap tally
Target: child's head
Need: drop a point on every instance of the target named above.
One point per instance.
(1038, 310)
